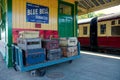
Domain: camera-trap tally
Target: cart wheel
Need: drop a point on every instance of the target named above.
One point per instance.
(33, 73)
(42, 72)
(70, 61)
(15, 68)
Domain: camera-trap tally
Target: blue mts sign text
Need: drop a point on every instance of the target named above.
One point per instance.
(37, 13)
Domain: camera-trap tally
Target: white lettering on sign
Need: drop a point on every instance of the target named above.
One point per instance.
(29, 12)
(43, 11)
(39, 17)
(45, 18)
(37, 13)
(32, 11)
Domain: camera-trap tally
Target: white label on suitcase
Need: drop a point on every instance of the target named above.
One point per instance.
(72, 41)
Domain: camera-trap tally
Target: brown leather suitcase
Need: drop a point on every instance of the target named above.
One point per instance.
(54, 54)
(50, 44)
(69, 51)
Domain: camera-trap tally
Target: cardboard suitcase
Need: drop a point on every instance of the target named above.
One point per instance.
(50, 44)
(31, 43)
(34, 56)
(54, 54)
(71, 41)
(69, 51)
(63, 42)
(29, 34)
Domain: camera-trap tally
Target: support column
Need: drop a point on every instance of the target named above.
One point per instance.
(76, 19)
(9, 34)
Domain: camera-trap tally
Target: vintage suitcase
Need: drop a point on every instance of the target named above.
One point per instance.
(71, 41)
(50, 44)
(34, 56)
(32, 43)
(54, 54)
(63, 42)
(69, 51)
(29, 34)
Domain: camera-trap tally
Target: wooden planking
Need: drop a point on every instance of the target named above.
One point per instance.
(19, 14)
(54, 9)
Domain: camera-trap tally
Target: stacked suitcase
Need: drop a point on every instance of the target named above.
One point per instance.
(36, 50)
(52, 48)
(33, 56)
(33, 53)
(29, 34)
(69, 46)
(29, 43)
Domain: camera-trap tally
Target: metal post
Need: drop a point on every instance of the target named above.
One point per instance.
(9, 34)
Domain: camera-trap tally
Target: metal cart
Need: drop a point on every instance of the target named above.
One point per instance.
(18, 60)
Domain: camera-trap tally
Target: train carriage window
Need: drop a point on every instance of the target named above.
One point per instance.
(115, 30)
(84, 30)
(118, 21)
(113, 23)
(102, 28)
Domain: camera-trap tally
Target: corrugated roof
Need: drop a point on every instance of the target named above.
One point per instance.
(86, 6)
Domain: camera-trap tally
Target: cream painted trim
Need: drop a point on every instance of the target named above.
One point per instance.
(81, 30)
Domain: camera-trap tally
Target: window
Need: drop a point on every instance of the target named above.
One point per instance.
(65, 9)
(102, 28)
(118, 21)
(113, 23)
(115, 30)
(84, 30)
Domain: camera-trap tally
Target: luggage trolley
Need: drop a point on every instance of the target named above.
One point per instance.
(19, 65)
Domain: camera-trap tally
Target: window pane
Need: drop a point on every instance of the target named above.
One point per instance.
(115, 30)
(118, 21)
(84, 30)
(65, 9)
(103, 29)
(113, 23)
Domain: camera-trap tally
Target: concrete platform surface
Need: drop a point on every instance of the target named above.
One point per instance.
(88, 67)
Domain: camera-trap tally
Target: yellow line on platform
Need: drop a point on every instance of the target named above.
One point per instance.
(100, 54)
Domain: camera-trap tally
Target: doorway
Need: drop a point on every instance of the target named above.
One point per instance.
(93, 34)
(66, 19)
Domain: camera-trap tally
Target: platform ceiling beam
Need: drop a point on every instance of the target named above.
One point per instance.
(103, 6)
(86, 6)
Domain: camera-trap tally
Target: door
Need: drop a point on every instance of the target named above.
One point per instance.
(66, 21)
(93, 34)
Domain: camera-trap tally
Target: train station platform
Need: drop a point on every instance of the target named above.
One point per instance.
(91, 66)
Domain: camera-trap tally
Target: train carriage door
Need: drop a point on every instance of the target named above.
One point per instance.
(93, 34)
(66, 20)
